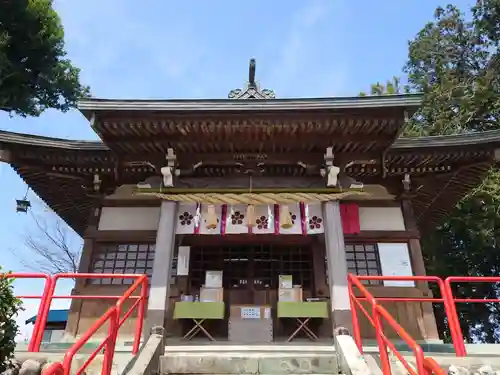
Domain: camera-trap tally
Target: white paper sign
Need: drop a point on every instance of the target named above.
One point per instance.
(213, 279)
(250, 313)
(183, 261)
(395, 261)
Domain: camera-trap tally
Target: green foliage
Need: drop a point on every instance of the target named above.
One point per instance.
(9, 307)
(467, 243)
(391, 87)
(455, 63)
(34, 73)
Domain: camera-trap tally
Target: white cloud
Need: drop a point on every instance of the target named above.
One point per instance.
(120, 51)
(303, 23)
(314, 32)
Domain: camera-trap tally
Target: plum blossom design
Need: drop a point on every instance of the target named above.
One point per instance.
(262, 222)
(293, 217)
(237, 218)
(315, 222)
(186, 218)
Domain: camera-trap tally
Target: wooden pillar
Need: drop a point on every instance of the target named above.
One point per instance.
(162, 267)
(320, 284)
(417, 259)
(337, 266)
(83, 267)
(418, 267)
(319, 268)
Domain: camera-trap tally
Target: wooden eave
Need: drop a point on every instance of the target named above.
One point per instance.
(358, 124)
(66, 197)
(461, 162)
(443, 169)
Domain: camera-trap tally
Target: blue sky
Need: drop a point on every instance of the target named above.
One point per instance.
(188, 49)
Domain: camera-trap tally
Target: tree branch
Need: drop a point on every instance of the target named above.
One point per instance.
(49, 243)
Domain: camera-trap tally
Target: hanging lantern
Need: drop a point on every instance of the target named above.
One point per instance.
(22, 205)
(211, 217)
(251, 215)
(285, 217)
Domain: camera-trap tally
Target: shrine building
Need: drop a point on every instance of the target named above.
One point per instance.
(253, 192)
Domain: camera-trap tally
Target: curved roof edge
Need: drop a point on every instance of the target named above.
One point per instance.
(491, 136)
(42, 141)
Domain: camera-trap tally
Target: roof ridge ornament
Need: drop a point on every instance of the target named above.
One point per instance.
(252, 90)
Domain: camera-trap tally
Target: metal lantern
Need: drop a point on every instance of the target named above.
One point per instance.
(22, 205)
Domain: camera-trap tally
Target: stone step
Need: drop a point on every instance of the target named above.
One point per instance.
(32, 363)
(248, 362)
(210, 348)
(472, 364)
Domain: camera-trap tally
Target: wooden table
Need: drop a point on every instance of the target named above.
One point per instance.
(198, 312)
(303, 312)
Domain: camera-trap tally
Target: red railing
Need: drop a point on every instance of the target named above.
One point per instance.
(447, 299)
(453, 320)
(424, 365)
(113, 315)
(39, 327)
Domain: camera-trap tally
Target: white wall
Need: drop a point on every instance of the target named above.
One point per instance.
(129, 218)
(381, 218)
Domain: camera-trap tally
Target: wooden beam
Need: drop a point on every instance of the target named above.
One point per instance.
(6, 156)
(382, 235)
(276, 190)
(225, 159)
(304, 115)
(248, 138)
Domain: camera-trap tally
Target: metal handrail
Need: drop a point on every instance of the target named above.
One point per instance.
(113, 315)
(378, 312)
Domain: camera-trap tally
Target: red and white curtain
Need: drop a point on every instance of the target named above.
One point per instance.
(232, 219)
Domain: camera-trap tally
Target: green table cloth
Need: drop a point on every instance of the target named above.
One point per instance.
(199, 310)
(303, 309)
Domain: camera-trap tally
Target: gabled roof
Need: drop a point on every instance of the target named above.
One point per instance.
(357, 124)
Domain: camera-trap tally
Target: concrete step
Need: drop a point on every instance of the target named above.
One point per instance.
(37, 361)
(473, 364)
(270, 348)
(243, 359)
(484, 364)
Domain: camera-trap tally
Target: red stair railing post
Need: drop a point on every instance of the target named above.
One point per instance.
(39, 326)
(44, 314)
(384, 355)
(41, 317)
(109, 349)
(140, 315)
(456, 332)
(451, 314)
(356, 331)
